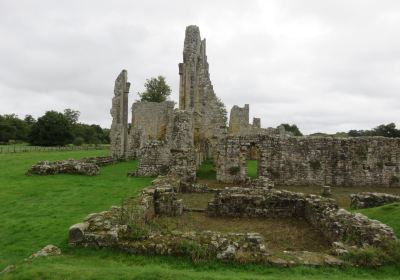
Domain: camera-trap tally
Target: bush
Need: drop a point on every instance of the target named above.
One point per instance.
(394, 180)
(387, 253)
(234, 170)
(195, 250)
(79, 141)
(315, 164)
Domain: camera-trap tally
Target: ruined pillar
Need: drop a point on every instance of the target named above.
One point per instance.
(119, 113)
(196, 92)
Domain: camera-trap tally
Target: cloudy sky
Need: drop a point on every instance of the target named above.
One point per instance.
(328, 66)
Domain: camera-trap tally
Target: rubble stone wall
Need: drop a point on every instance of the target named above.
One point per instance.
(154, 158)
(338, 225)
(369, 199)
(364, 161)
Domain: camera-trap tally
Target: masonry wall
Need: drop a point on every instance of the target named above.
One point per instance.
(153, 119)
(366, 161)
(119, 113)
(196, 93)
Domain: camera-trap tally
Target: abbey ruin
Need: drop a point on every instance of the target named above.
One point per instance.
(179, 214)
(166, 139)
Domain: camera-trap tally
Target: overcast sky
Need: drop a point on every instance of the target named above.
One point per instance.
(326, 66)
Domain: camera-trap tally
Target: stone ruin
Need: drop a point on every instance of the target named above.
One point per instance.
(174, 142)
(86, 166)
(166, 140)
(371, 199)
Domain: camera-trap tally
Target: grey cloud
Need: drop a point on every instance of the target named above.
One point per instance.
(324, 65)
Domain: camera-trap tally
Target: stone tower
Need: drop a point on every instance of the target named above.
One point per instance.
(119, 113)
(196, 93)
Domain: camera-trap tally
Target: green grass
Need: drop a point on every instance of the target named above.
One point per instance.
(252, 166)
(36, 211)
(388, 214)
(206, 171)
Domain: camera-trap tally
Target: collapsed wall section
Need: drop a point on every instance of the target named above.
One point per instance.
(364, 161)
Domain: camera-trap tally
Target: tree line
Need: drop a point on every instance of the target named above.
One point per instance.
(52, 129)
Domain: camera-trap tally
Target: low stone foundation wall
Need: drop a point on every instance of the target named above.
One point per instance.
(85, 166)
(338, 225)
(369, 199)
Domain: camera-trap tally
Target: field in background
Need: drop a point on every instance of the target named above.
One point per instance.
(23, 148)
(38, 210)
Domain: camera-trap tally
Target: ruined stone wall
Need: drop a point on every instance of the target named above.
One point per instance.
(239, 124)
(153, 119)
(369, 199)
(239, 120)
(196, 92)
(154, 158)
(119, 113)
(150, 121)
(367, 161)
(338, 225)
(175, 155)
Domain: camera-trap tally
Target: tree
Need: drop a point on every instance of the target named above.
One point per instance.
(14, 128)
(157, 90)
(292, 128)
(388, 130)
(72, 115)
(52, 129)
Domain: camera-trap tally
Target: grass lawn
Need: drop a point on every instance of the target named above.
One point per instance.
(38, 210)
(388, 214)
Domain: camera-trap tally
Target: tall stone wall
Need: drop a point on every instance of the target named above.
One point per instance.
(150, 121)
(175, 155)
(153, 119)
(366, 161)
(119, 113)
(196, 92)
(239, 119)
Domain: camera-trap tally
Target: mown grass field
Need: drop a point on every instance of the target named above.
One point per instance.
(36, 211)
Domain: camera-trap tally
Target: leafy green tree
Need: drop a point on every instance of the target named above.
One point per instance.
(388, 130)
(19, 131)
(7, 132)
(52, 129)
(292, 128)
(157, 90)
(72, 115)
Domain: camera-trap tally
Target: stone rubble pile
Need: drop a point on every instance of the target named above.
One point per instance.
(372, 199)
(85, 166)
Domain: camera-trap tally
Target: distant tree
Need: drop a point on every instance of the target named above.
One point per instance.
(52, 129)
(388, 130)
(157, 90)
(72, 115)
(29, 119)
(7, 132)
(292, 128)
(19, 131)
(222, 109)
